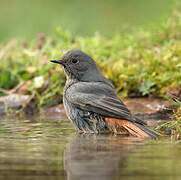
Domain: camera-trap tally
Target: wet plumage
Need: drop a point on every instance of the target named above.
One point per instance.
(91, 102)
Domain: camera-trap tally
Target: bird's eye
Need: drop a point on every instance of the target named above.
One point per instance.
(75, 61)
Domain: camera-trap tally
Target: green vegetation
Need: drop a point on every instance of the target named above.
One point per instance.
(174, 124)
(141, 63)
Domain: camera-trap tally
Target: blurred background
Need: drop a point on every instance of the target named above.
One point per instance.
(136, 44)
(20, 18)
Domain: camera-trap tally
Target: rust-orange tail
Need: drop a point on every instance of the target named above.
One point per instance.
(134, 129)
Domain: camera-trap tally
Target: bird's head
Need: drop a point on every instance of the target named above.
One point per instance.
(79, 65)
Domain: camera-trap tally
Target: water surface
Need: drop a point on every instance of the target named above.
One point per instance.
(37, 148)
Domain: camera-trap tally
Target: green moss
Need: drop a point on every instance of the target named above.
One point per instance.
(144, 62)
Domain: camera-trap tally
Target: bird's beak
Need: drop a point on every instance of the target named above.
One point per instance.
(57, 61)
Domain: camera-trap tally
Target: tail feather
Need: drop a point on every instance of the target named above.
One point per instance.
(134, 129)
(150, 132)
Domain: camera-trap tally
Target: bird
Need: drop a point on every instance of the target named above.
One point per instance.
(91, 102)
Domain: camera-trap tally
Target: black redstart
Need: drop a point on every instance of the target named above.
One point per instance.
(91, 102)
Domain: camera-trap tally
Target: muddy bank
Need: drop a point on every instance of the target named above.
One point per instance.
(13, 101)
(145, 108)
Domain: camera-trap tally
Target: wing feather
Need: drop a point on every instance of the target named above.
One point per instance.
(99, 98)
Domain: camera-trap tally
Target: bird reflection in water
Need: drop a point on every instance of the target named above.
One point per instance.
(97, 157)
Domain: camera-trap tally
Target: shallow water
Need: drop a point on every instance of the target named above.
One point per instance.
(37, 148)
